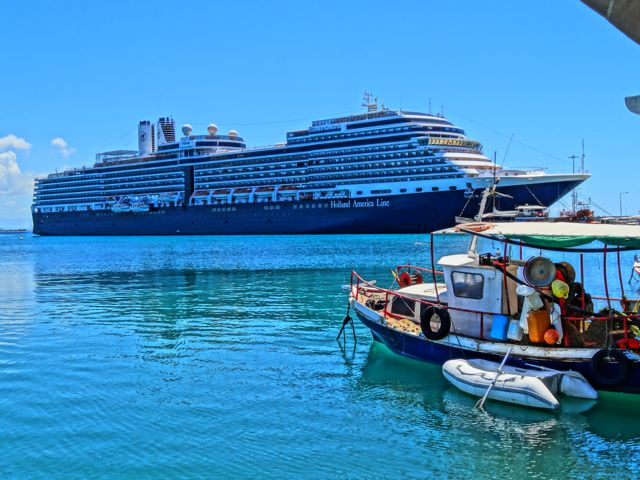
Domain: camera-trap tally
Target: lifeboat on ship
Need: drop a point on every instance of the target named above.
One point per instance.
(139, 207)
(264, 191)
(168, 197)
(201, 194)
(121, 208)
(221, 193)
(288, 191)
(242, 193)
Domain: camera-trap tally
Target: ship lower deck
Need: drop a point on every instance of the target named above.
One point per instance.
(406, 213)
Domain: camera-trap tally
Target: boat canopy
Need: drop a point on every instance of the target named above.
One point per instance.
(557, 234)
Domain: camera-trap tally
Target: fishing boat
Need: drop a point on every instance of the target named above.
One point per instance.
(481, 305)
(522, 386)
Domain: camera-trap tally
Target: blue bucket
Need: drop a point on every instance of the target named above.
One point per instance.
(499, 327)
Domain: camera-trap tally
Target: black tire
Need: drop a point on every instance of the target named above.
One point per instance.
(439, 314)
(604, 357)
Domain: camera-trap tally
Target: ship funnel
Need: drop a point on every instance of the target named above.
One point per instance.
(187, 129)
(212, 129)
(166, 130)
(146, 138)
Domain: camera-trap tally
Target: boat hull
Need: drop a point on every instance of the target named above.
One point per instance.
(404, 213)
(419, 348)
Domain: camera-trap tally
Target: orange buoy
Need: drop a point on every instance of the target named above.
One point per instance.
(551, 336)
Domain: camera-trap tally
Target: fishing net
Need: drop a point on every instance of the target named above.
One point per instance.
(602, 330)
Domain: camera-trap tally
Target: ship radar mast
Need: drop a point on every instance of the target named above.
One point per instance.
(370, 102)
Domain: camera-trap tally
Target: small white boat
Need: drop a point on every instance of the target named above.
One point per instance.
(140, 207)
(121, 208)
(527, 387)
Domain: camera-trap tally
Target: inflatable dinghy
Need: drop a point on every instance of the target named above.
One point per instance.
(527, 387)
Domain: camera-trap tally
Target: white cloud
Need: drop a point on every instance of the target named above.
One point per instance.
(63, 147)
(12, 180)
(11, 141)
(16, 186)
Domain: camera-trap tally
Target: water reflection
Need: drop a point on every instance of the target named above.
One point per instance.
(569, 441)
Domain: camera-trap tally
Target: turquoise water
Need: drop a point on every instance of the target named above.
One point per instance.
(216, 357)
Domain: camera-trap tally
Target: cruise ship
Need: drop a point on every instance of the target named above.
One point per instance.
(382, 171)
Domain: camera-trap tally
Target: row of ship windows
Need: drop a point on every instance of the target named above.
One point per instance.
(102, 180)
(96, 178)
(226, 173)
(367, 133)
(164, 174)
(328, 182)
(341, 172)
(320, 163)
(232, 158)
(101, 195)
(110, 186)
(328, 154)
(108, 191)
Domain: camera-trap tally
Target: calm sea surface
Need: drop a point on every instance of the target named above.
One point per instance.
(216, 357)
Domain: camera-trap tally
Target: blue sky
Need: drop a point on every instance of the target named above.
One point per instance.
(79, 75)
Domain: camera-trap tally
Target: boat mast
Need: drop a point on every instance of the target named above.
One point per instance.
(574, 193)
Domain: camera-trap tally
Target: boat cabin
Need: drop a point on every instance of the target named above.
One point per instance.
(472, 288)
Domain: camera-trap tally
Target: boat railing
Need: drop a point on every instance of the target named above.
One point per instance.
(420, 269)
(365, 288)
(581, 336)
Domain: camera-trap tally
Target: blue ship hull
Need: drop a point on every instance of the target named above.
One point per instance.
(408, 213)
(419, 348)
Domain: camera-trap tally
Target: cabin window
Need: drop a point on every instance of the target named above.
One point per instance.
(467, 285)
(403, 306)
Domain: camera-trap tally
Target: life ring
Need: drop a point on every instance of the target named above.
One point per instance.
(442, 315)
(417, 278)
(599, 361)
(404, 280)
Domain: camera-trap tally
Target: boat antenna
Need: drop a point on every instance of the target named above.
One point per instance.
(504, 159)
(430, 113)
(574, 193)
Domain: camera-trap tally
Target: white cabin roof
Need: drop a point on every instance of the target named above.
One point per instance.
(458, 260)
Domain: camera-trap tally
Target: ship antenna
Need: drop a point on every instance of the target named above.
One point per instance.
(370, 102)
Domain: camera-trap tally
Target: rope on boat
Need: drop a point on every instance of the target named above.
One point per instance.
(347, 319)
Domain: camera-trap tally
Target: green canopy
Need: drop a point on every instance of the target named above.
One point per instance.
(558, 234)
